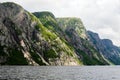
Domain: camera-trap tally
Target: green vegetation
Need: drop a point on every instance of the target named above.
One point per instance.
(87, 60)
(72, 23)
(46, 18)
(33, 18)
(50, 54)
(49, 21)
(2, 53)
(36, 58)
(46, 33)
(16, 57)
(95, 54)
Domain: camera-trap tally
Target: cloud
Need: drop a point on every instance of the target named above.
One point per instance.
(101, 16)
(108, 32)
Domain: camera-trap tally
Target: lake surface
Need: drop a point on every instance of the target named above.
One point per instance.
(60, 73)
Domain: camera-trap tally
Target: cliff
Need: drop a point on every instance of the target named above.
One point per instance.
(106, 48)
(24, 40)
(42, 39)
(73, 32)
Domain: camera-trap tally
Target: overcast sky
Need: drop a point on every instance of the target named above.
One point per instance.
(101, 16)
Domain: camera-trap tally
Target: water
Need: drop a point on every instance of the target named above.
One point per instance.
(60, 73)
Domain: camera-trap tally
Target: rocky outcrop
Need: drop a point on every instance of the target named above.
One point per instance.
(24, 40)
(105, 47)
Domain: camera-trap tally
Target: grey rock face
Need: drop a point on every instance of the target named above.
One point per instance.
(105, 47)
(25, 41)
(16, 34)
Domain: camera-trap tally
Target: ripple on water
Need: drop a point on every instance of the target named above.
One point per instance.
(59, 73)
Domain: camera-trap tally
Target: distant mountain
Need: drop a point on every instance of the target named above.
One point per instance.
(106, 47)
(42, 39)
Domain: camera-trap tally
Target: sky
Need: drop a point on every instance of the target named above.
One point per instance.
(101, 16)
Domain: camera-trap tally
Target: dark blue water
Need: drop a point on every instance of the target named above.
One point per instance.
(60, 73)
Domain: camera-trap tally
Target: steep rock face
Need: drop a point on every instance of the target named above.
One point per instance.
(24, 40)
(106, 47)
(76, 35)
(96, 41)
(73, 33)
(9, 33)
